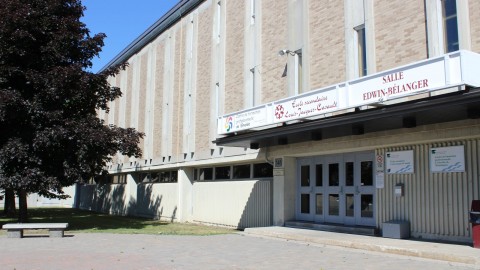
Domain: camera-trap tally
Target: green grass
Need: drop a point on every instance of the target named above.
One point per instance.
(80, 221)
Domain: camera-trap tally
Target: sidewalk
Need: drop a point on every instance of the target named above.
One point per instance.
(437, 251)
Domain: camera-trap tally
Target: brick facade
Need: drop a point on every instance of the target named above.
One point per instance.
(400, 35)
(327, 43)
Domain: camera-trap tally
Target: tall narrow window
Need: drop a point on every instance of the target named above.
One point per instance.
(361, 51)
(450, 25)
(298, 72)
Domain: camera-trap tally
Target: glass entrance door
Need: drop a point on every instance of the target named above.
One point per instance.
(310, 201)
(337, 189)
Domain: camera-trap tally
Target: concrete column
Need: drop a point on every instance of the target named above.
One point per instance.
(284, 192)
(131, 195)
(185, 187)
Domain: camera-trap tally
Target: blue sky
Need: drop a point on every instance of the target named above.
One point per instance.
(122, 21)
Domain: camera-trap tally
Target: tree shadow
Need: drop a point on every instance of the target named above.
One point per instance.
(258, 208)
(116, 199)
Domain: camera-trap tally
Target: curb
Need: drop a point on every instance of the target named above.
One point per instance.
(361, 245)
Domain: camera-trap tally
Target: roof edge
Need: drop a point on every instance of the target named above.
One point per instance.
(168, 19)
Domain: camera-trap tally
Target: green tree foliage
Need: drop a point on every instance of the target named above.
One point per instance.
(50, 135)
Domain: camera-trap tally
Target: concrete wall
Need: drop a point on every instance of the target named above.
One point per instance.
(239, 204)
(35, 200)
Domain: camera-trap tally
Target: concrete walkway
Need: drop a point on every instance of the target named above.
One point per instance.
(437, 251)
(259, 248)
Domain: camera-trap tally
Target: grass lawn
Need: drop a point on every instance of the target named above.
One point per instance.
(80, 221)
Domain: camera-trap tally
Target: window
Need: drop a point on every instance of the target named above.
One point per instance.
(159, 177)
(361, 51)
(241, 171)
(174, 176)
(111, 179)
(262, 170)
(205, 174)
(145, 178)
(236, 172)
(450, 26)
(222, 173)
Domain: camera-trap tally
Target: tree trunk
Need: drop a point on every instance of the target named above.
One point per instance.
(10, 210)
(22, 206)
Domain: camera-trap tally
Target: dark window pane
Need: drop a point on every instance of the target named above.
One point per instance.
(205, 174)
(350, 205)
(155, 177)
(305, 204)
(195, 174)
(174, 176)
(164, 176)
(262, 170)
(452, 34)
(333, 174)
(362, 52)
(319, 175)
(367, 205)
(305, 176)
(145, 178)
(333, 205)
(450, 25)
(366, 172)
(241, 171)
(319, 204)
(450, 7)
(222, 172)
(349, 173)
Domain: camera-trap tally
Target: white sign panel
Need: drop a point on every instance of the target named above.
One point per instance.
(447, 159)
(400, 162)
(306, 105)
(380, 180)
(449, 70)
(397, 83)
(244, 120)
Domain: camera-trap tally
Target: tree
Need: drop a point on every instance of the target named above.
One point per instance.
(50, 134)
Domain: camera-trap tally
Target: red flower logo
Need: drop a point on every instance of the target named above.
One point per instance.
(279, 111)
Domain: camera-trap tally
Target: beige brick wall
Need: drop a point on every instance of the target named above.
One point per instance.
(327, 43)
(142, 97)
(399, 32)
(158, 104)
(204, 81)
(117, 101)
(474, 6)
(274, 38)
(128, 97)
(179, 76)
(234, 55)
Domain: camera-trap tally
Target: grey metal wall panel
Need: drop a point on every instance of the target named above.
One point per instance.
(240, 204)
(436, 204)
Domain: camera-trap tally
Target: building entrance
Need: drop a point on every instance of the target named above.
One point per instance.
(336, 189)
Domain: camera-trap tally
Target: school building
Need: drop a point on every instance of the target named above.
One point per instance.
(351, 114)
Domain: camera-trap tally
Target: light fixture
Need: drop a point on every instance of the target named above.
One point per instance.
(284, 51)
